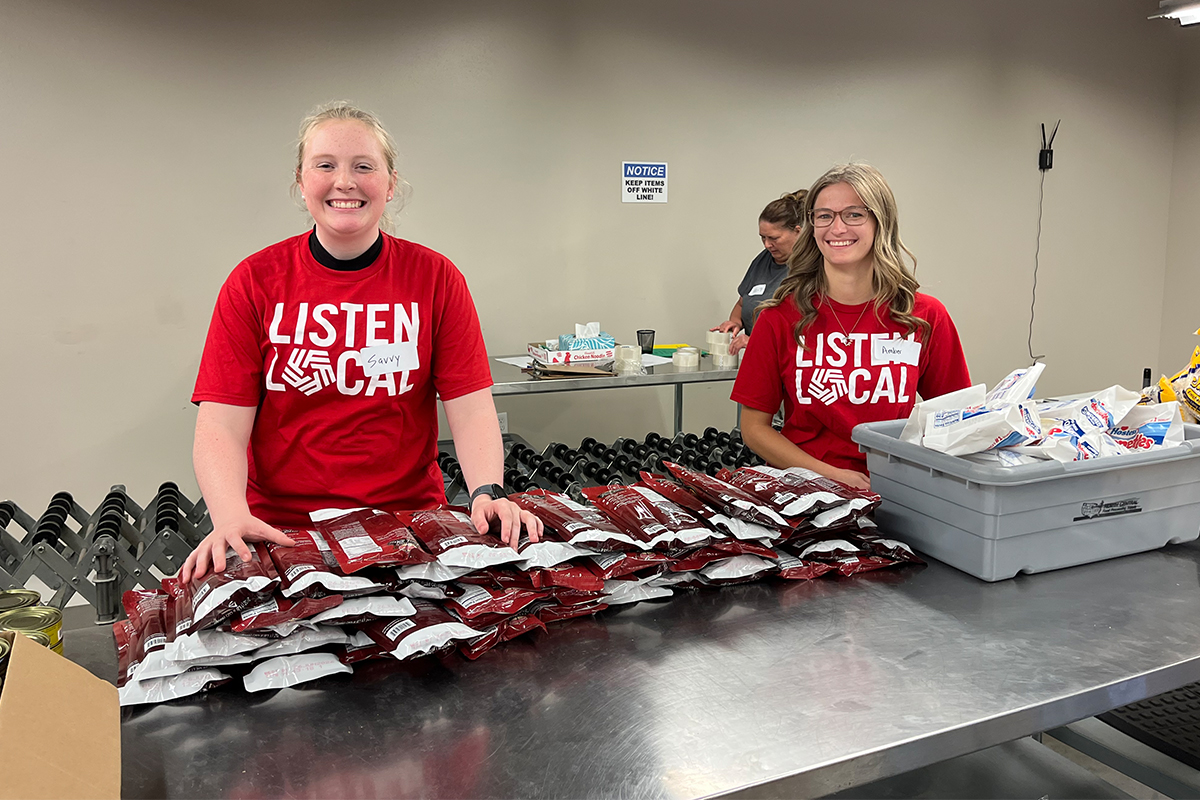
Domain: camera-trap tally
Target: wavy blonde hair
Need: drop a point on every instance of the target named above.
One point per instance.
(341, 111)
(893, 281)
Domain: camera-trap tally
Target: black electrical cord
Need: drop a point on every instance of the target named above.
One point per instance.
(1036, 255)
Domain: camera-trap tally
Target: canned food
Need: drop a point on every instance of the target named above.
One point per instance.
(37, 637)
(4, 647)
(18, 598)
(43, 619)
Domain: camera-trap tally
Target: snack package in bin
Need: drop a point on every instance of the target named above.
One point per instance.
(959, 432)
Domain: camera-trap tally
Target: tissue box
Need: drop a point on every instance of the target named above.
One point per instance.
(547, 353)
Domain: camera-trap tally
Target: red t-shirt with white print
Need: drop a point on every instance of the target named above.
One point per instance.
(844, 376)
(294, 338)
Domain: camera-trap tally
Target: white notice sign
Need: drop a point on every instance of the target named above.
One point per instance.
(643, 182)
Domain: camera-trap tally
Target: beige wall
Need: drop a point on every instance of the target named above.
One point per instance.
(147, 149)
(1181, 295)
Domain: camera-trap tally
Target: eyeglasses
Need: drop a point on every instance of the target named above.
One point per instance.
(851, 215)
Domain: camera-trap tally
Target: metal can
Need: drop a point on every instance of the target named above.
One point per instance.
(38, 637)
(18, 598)
(44, 619)
(4, 647)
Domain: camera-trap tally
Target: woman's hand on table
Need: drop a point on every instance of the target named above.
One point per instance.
(855, 480)
(235, 533)
(729, 326)
(511, 517)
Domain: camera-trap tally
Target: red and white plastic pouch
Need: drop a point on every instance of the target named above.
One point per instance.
(793, 492)
(452, 538)
(284, 671)
(635, 514)
(794, 568)
(620, 592)
(611, 566)
(358, 610)
(718, 521)
(730, 499)
(573, 522)
(371, 538)
(737, 569)
(302, 640)
(219, 596)
(160, 690)
(431, 629)
(210, 643)
(547, 553)
(310, 569)
(147, 612)
(476, 601)
(279, 610)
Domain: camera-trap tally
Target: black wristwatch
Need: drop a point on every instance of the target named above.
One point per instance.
(493, 490)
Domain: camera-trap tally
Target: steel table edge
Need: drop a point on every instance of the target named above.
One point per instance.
(919, 751)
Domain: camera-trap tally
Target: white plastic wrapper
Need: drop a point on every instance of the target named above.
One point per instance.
(743, 566)
(620, 592)
(434, 591)
(428, 639)
(210, 643)
(303, 640)
(279, 673)
(156, 666)
(326, 514)
(475, 556)
(376, 606)
(210, 601)
(827, 546)
(914, 428)
(839, 513)
(959, 432)
(160, 690)
(433, 572)
(669, 579)
(1150, 426)
(1017, 387)
(547, 553)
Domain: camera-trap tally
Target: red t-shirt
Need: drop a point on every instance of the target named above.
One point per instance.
(836, 383)
(292, 337)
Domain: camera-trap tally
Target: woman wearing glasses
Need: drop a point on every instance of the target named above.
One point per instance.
(847, 338)
(779, 227)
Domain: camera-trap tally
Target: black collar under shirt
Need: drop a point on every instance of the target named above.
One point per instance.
(362, 261)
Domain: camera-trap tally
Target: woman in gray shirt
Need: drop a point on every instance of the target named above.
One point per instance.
(778, 226)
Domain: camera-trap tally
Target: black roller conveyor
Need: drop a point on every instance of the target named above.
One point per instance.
(1170, 723)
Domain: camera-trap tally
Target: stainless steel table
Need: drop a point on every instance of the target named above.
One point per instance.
(509, 380)
(772, 688)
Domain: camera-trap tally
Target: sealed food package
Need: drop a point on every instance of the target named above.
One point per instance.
(431, 629)
(824, 549)
(620, 592)
(692, 560)
(792, 492)
(567, 576)
(125, 635)
(547, 553)
(219, 596)
(794, 568)
(574, 522)
(722, 523)
(1149, 426)
(280, 610)
(209, 643)
(610, 566)
(889, 548)
(643, 518)
(914, 428)
(452, 538)
(369, 538)
(284, 671)
(690, 529)
(310, 569)
(147, 612)
(505, 630)
(737, 569)
(958, 432)
(433, 572)
(480, 601)
(302, 640)
(1017, 387)
(426, 589)
(729, 499)
(361, 648)
(160, 690)
(862, 562)
(358, 610)
(556, 612)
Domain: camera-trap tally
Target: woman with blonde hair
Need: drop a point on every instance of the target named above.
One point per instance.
(325, 357)
(847, 338)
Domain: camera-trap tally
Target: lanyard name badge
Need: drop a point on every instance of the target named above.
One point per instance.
(895, 351)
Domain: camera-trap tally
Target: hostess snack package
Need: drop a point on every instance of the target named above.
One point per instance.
(914, 428)
(1017, 387)
(959, 432)
(1148, 426)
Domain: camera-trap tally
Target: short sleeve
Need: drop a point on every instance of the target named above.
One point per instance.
(460, 360)
(231, 368)
(759, 384)
(944, 365)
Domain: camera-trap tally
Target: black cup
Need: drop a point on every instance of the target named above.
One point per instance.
(646, 341)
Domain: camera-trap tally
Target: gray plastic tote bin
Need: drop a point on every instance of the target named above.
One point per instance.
(994, 521)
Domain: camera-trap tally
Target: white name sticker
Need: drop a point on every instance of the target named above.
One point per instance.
(895, 351)
(384, 358)
(757, 290)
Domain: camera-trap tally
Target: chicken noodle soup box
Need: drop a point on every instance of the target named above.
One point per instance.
(60, 728)
(549, 355)
(993, 521)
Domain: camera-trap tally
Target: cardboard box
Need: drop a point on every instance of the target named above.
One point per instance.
(547, 356)
(60, 728)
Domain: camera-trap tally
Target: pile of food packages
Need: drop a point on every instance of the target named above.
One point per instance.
(1006, 427)
(1182, 387)
(370, 584)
